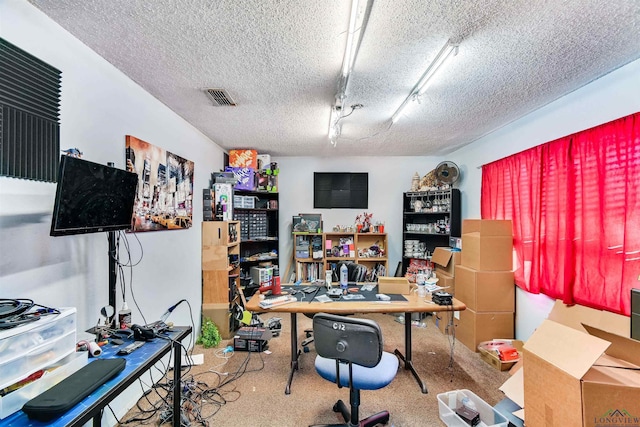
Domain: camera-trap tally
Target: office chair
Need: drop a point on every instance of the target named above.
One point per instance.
(350, 354)
(354, 275)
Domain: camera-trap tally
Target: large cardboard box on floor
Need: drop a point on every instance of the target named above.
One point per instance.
(485, 290)
(575, 379)
(475, 327)
(446, 260)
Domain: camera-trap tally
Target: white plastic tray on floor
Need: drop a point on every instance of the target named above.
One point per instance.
(449, 401)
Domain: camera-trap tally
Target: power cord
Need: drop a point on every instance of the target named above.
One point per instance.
(16, 312)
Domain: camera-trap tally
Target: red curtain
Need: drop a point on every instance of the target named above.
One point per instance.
(575, 214)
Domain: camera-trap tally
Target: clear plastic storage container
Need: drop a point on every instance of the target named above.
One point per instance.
(448, 403)
(60, 370)
(33, 346)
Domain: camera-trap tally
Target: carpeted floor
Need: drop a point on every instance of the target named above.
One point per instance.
(253, 384)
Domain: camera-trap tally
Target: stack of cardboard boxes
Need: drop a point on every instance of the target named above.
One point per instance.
(484, 282)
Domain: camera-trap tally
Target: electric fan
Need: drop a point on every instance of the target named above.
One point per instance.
(447, 173)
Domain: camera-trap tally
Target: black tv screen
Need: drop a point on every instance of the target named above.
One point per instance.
(91, 198)
(341, 190)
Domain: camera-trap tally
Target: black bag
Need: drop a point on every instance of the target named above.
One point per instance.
(67, 393)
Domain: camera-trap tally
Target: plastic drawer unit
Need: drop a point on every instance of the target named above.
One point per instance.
(449, 401)
(31, 347)
(55, 373)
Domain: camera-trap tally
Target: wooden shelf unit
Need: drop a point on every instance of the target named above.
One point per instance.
(317, 266)
(220, 273)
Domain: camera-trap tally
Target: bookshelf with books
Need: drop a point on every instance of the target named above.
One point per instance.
(315, 253)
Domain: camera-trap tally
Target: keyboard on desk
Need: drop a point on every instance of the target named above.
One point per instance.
(276, 301)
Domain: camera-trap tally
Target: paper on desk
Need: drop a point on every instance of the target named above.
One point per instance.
(432, 287)
(352, 296)
(323, 298)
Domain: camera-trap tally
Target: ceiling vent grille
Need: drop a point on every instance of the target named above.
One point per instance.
(220, 98)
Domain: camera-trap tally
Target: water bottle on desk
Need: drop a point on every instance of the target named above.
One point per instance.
(344, 278)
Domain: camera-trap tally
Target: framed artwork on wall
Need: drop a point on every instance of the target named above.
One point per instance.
(164, 199)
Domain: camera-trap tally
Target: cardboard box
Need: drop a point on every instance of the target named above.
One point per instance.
(575, 317)
(220, 315)
(477, 327)
(223, 195)
(492, 358)
(447, 282)
(485, 290)
(576, 379)
(490, 253)
(243, 159)
(393, 285)
(446, 260)
(487, 227)
(446, 321)
(264, 161)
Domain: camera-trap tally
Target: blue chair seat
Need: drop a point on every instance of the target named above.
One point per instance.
(374, 378)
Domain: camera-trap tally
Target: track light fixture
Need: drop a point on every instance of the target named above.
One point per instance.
(358, 18)
(449, 50)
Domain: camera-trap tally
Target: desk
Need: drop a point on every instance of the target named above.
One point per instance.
(138, 362)
(414, 304)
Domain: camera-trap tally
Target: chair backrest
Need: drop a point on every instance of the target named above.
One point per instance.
(348, 339)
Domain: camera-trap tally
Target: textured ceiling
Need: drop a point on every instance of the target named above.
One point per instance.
(280, 61)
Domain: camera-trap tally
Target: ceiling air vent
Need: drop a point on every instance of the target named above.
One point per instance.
(220, 98)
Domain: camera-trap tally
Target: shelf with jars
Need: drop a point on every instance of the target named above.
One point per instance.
(429, 219)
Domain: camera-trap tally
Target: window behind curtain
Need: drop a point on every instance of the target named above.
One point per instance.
(575, 213)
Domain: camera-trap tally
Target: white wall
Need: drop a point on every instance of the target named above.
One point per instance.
(99, 107)
(610, 97)
(389, 177)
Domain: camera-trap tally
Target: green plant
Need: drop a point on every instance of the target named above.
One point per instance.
(209, 334)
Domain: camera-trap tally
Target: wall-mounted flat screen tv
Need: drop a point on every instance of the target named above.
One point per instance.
(92, 198)
(341, 190)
